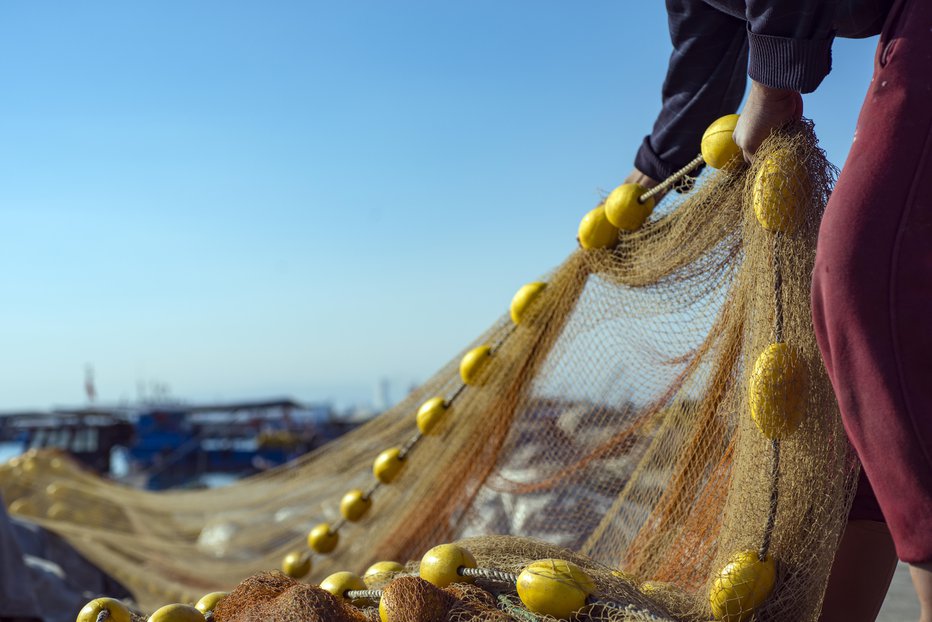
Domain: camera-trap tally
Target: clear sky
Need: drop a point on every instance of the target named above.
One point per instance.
(243, 199)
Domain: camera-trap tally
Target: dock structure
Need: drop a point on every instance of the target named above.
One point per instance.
(167, 445)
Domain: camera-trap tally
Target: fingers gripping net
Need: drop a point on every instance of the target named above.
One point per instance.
(661, 410)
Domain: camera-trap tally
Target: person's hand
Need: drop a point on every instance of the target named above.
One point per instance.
(766, 109)
(637, 177)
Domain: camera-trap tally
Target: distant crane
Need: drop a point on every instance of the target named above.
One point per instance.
(89, 387)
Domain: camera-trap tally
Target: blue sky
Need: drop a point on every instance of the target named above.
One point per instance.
(250, 198)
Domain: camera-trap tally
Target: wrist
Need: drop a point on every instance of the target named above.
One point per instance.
(768, 92)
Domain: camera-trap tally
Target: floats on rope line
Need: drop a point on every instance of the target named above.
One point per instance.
(385, 567)
(629, 206)
(557, 587)
(177, 613)
(777, 391)
(323, 539)
(742, 586)
(297, 564)
(355, 505)
(339, 583)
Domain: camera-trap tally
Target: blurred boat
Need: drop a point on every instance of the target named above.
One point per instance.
(178, 445)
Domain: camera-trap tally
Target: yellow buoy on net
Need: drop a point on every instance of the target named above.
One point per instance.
(595, 231)
(339, 583)
(777, 391)
(58, 492)
(554, 587)
(383, 568)
(296, 564)
(118, 611)
(624, 209)
(25, 506)
(780, 187)
(653, 587)
(718, 143)
(388, 465)
(59, 511)
(430, 413)
(523, 299)
(742, 586)
(473, 364)
(440, 565)
(207, 602)
(354, 505)
(321, 539)
(31, 466)
(177, 613)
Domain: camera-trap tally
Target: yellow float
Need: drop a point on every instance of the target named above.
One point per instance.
(354, 505)
(523, 299)
(388, 465)
(57, 492)
(595, 231)
(58, 511)
(554, 587)
(440, 565)
(473, 364)
(321, 539)
(296, 564)
(339, 583)
(383, 568)
(624, 209)
(718, 143)
(24, 506)
(653, 587)
(777, 391)
(742, 586)
(207, 602)
(177, 613)
(118, 611)
(430, 413)
(779, 191)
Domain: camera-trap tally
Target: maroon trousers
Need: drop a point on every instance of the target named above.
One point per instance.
(872, 285)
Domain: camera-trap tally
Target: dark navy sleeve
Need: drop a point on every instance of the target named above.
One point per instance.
(705, 79)
(790, 42)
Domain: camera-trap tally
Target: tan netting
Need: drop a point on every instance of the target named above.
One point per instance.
(614, 421)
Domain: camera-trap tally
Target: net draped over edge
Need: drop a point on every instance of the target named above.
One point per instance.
(613, 422)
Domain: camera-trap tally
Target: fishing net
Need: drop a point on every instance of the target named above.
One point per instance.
(660, 418)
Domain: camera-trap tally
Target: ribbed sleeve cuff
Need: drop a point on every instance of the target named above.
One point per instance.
(785, 63)
(650, 163)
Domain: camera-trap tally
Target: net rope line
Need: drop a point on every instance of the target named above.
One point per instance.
(416, 438)
(499, 576)
(672, 179)
(775, 443)
(363, 594)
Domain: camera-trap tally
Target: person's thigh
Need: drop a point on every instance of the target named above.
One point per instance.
(861, 573)
(872, 285)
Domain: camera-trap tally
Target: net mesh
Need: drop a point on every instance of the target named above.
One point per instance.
(613, 423)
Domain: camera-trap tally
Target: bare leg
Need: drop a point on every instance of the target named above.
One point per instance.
(861, 574)
(922, 581)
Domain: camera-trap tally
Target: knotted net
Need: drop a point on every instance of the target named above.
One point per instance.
(613, 423)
